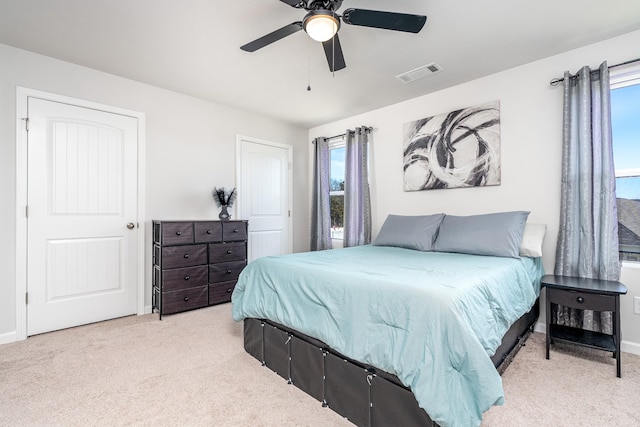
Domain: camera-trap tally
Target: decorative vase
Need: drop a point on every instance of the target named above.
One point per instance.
(224, 213)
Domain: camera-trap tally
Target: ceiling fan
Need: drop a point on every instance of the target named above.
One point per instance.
(322, 24)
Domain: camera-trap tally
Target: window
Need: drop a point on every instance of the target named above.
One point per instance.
(337, 153)
(625, 123)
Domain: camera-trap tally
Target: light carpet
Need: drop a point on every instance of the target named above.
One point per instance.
(190, 369)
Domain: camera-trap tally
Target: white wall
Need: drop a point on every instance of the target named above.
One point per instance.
(531, 148)
(190, 148)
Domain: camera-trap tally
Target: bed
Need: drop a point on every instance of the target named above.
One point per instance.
(427, 327)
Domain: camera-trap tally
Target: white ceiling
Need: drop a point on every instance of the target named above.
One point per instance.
(192, 46)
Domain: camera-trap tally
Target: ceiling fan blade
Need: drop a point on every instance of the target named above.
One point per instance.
(272, 37)
(293, 3)
(384, 20)
(333, 51)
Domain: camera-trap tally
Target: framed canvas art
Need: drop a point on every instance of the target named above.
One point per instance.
(453, 150)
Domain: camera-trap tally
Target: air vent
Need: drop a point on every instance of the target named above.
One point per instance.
(419, 73)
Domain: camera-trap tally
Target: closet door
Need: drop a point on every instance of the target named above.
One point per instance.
(264, 191)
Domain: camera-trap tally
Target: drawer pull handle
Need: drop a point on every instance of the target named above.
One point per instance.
(229, 252)
(208, 231)
(186, 255)
(186, 299)
(228, 291)
(580, 300)
(228, 271)
(178, 233)
(187, 277)
(236, 231)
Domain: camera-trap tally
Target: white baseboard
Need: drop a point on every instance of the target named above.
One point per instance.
(630, 347)
(625, 346)
(8, 337)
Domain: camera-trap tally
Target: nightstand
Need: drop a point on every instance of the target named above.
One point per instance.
(586, 294)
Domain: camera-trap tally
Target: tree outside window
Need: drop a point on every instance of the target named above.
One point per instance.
(337, 153)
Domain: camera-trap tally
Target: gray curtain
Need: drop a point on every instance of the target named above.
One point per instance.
(321, 204)
(588, 235)
(357, 202)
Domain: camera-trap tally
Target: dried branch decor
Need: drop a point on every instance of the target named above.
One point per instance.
(224, 199)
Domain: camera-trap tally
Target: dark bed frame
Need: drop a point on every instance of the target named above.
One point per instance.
(365, 395)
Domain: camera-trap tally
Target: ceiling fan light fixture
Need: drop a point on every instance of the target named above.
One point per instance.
(321, 25)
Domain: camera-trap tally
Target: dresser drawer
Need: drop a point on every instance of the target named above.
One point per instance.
(205, 231)
(582, 300)
(184, 256)
(184, 299)
(221, 252)
(180, 278)
(234, 231)
(225, 271)
(177, 233)
(221, 292)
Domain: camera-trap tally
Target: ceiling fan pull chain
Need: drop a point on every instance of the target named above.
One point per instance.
(308, 65)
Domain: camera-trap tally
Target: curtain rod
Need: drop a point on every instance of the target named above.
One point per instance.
(557, 81)
(366, 128)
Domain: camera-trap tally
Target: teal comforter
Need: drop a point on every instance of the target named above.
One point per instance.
(432, 319)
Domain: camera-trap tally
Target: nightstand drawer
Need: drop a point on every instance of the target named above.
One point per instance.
(222, 252)
(583, 300)
(221, 292)
(177, 233)
(184, 256)
(184, 299)
(181, 278)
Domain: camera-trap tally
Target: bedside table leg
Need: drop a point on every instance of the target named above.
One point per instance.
(616, 338)
(548, 322)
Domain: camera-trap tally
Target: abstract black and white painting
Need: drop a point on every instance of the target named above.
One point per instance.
(457, 149)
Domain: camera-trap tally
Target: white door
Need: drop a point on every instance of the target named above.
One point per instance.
(82, 197)
(264, 191)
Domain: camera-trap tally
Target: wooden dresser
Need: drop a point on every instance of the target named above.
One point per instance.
(196, 263)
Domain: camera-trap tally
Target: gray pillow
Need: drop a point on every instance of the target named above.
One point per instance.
(411, 232)
(498, 234)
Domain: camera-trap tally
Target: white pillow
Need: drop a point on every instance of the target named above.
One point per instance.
(532, 240)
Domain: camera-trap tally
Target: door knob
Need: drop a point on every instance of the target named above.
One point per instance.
(131, 226)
